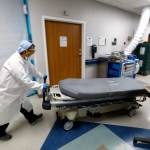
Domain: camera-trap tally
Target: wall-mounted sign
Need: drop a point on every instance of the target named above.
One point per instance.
(102, 41)
(89, 41)
(63, 41)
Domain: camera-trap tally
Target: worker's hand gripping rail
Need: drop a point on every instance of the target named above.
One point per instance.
(46, 102)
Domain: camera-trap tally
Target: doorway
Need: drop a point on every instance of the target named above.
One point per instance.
(64, 50)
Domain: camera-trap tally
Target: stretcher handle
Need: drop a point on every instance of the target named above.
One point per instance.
(44, 92)
(43, 95)
(46, 103)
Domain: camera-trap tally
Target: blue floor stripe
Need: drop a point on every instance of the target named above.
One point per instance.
(128, 133)
(95, 138)
(57, 137)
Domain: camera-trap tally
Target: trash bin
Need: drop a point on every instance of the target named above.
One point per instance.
(143, 54)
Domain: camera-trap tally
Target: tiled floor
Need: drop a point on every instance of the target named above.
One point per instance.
(30, 137)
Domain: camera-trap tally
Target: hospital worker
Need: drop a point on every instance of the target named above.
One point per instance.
(15, 83)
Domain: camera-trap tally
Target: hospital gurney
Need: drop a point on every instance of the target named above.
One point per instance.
(81, 97)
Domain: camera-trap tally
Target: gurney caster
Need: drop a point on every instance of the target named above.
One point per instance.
(131, 112)
(68, 125)
(69, 117)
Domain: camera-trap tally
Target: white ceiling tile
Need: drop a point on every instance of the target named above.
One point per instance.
(134, 6)
(140, 3)
(125, 1)
(104, 1)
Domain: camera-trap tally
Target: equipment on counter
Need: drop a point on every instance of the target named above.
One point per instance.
(117, 55)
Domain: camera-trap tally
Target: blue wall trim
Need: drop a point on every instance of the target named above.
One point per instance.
(27, 17)
(29, 33)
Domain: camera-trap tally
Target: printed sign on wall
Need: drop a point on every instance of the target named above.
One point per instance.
(89, 41)
(63, 41)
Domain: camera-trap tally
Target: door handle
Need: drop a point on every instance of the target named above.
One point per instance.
(80, 52)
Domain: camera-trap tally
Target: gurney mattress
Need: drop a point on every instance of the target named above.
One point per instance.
(102, 87)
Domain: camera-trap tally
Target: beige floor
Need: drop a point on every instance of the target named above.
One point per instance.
(27, 137)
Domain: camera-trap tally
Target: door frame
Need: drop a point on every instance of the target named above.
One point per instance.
(82, 23)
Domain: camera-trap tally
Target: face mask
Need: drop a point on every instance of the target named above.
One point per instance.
(26, 58)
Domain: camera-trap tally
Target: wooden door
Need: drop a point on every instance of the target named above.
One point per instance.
(64, 50)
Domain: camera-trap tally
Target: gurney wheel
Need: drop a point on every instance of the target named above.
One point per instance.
(68, 125)
(131, 112)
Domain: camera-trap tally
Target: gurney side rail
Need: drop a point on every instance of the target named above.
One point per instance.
(59, 103)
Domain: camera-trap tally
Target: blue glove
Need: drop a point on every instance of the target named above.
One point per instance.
(44, 76)
(44, 86)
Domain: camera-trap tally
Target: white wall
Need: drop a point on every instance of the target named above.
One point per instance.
(145, 37)
(101, 20)
(12, 27)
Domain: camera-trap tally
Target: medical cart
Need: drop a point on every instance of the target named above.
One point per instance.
(123, 68)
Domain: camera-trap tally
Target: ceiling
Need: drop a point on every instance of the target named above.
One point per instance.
(134, 6)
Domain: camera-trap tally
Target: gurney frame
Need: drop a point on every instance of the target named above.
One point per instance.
(70, 109)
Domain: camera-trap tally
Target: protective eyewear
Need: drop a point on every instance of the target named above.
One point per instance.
(31, 51)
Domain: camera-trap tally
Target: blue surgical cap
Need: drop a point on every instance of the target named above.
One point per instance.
(24, 45)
